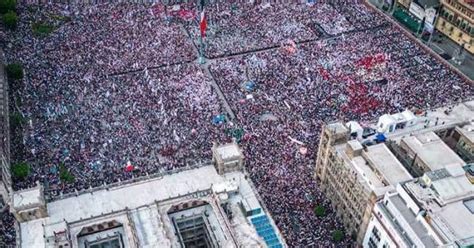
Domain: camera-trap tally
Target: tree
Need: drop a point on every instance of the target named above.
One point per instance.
(337, 235)
(14, 71)
(10, 20)
(64, 174)
(42, 29)
(16, 119)
(7, 5)
(320, 211)
(20, 170)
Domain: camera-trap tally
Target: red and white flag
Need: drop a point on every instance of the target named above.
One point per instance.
(203, 24)
(129, 167)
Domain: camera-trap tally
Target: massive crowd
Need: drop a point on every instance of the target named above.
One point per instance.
(357, 77)
(7, 229)
(115, 86)
(249, 26)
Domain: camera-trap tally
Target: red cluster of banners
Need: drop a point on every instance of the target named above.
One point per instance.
(370, 61)
(360, 101)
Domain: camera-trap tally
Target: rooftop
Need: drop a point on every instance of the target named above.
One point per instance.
(337, 127)
(467, 131)
(427, 3)
(433, 151)
(229, 151)
(387, 164)
(437, 119)
(400, 206)
(26, 198)
(452, 188)
(458, 220)
(445, 206)
(151, 201)
(377, 167)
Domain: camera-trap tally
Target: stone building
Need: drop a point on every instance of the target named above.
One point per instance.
(456, 20)
(355, 177)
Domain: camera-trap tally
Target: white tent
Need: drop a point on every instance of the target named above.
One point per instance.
(355, 127)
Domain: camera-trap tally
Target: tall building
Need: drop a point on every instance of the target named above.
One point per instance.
(436, 210)
(357, 167)
(456, 20)
(428, 153)
(354, 177)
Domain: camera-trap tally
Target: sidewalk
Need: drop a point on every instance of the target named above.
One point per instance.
(443, 46)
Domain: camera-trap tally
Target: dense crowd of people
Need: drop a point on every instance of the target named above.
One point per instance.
(357, 77)
(7, 229)
(249, 26)
(116, 86)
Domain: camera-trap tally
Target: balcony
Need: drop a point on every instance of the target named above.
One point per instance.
(451, 5)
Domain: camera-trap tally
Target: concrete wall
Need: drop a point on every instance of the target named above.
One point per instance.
(5, 177)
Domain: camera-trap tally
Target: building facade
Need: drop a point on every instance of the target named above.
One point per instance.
(5, 177)
(464, 137)
(456, 21)
(367, 173)
(360, 175)
(423, 11)
(435, 210)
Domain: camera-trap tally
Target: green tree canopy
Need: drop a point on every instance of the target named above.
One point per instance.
(20, 170)
(42, 29)
(65, 175)
(14, 71)
(7, 5)
(10, 20)
(337, 235)
(319, 211)
(16, 119)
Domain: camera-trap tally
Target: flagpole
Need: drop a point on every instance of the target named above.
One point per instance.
(201, 59)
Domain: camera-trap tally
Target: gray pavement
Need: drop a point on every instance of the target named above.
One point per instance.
(443, 46)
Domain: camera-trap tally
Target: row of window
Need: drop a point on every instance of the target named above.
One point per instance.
(460, 34)
(461, 8)
(458, 22)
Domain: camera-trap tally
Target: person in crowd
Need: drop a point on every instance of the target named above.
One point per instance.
(118, 85)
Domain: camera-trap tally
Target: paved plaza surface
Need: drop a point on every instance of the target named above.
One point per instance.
(117, 85)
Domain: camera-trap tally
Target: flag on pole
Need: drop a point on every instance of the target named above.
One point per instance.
(129, 167)
(203, 24)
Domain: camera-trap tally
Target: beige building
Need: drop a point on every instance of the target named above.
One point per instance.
(29, 204)
(227, 158)
(428, 153)
(354, 178)
(404, 3)
(464, 137)
(456, 20)
(435, 210)
(356, 171)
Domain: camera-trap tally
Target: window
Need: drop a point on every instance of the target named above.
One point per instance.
(376, 234)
